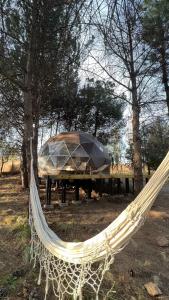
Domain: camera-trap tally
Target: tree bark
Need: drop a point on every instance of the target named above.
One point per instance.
(41, 140)
(137, 159)
(28, 117)
(96, 123)
(31, 89)
(137, 155)
(2, 164)
(35, 135)
(24, 169)
(165, 79)
(3, 161)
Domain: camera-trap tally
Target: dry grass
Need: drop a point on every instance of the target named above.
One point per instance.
(141, 261)
(11, 167)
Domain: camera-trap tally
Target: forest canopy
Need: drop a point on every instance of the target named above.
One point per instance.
(96, 66)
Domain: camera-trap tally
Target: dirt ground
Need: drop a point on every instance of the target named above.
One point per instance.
(143, 260)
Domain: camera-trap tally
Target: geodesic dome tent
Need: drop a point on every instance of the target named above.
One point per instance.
(73, 152)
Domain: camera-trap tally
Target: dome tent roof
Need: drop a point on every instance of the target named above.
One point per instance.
(77, 152)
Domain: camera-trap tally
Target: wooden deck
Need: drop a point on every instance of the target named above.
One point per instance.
(113, 172)
(93, 176)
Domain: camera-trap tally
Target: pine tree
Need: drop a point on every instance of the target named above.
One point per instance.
(156, 35)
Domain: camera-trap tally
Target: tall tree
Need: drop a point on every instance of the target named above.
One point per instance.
(38, 49)
(156, 35)
(125, 63)
(156, 142)
(100, 111)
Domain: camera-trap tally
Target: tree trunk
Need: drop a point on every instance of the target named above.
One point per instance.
(2, 164)
(57, 124)
(137, 159)
(96, 123)
(41, 140)
(30, 85)
(51, 129)
(28, 118)
(3, 161)
(35, 135)
(165, 80)
(24, 169)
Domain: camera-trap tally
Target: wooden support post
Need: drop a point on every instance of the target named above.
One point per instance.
(77, 190)
(127, 185)
(57, 184)
(113, 186)
(89, 190)
(64, 191)
(118, 185)
(110, 186)
(99, 187)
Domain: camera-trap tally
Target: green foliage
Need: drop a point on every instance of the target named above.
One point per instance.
(155, 142)
(156, 32)
(95, 109)
(156, 24)
(55, 60)
(22, 232)
(9, 281)
(157, 9)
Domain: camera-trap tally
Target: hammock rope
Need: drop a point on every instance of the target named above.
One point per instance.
(70, 266)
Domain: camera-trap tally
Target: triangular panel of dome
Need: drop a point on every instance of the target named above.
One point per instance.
(44, 150)
(98, 161)
(96, 151)
(91, 165)
(54, 160)
(62, 160)
(54, 147)
(58, 148)
(64, 150)
(50, 163)
(59, 161)
(86, 138)
(79, 152)
(42, 161)
(88, 147)
(81, 162)
(70, 165)
(71, 147)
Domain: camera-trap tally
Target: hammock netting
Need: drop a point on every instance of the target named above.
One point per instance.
(70, 268)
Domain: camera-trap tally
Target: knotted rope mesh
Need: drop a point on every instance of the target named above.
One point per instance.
(71, 267)
(67, 279)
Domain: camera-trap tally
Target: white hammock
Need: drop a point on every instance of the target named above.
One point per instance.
(71, 266)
